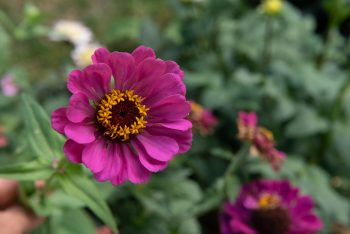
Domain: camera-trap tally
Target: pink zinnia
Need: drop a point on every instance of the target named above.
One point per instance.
(270, 207)
(202, 119)
(129, 126)
(247, 125)
(261, 138)
(8, 86)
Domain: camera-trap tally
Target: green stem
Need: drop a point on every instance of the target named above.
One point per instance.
(266, 52)
(322, 58)
(237, 160)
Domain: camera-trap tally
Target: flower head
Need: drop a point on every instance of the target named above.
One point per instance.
(247, 124)
(81, 54)
(272, 7)
(202, 119)
(262, 139)
(71, 31)
(127, 116)
(8, 86)
(270, 207)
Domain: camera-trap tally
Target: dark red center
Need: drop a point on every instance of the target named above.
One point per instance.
(271, 221)
(124, 113)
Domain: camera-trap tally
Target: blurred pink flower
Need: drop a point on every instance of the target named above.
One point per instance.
(270, 207)
(8, 86)
(262, 139)
(127, 131)
(247, 125)
(202, 119)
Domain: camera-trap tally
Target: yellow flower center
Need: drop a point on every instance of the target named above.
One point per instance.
(269, 201)
(120, 114)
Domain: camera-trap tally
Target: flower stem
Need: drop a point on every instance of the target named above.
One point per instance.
(237, 160)
(266, 51)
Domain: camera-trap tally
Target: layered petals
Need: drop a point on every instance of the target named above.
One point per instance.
(258, 201)
(127, 116)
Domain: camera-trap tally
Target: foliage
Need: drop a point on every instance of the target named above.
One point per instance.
(235, 58)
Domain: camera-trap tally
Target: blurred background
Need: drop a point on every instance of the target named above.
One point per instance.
(290, 65)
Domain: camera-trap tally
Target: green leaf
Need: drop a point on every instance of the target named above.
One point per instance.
(80, 187)
(28, 171)
(189, 226)
(306, 123)
(44, 141)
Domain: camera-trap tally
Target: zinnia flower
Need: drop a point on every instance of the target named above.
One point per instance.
(202, 119)
(71, 31)
(262, 139)
(127, 116)
(270, 207)
(81, 54)
(8, 86)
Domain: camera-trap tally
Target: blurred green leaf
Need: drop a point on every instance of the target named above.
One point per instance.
(306, 123)
(31, 171)
(79, 186)
(44, 141)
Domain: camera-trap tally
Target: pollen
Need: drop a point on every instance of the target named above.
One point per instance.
(269, 201)
(121, 114)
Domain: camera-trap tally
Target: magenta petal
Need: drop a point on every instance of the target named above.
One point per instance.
(183, 138)
(168, 85)
(136, 172)
(181, 124)
(147, 161)
(82, 133)
(123, 68)
(160, 148)
(79, 108)
(122, 174)
(172, 67)
(239, 227)
(113, 165)
(150, 68)
(95, 156)
(100, 55)
(142, 52)
(303, 205)
(59, 119)
(93, 81)
(73, 151)
(170, 108)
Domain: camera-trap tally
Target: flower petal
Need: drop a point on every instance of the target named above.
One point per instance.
(142, 52)
(170, 108)
(73, 151)
(93, 81)
(172, 67)
(136, 172)
(168, 85)
(160, 148)
(113, 164)
(59, 119)
(82, 133)
(180, 124)
(95, 156)
(147, 161)
(100, 55)
(183, 138)
(79, 108)
(123, 67)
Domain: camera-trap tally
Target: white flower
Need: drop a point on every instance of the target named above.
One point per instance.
(72, 31)
(81, 54)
